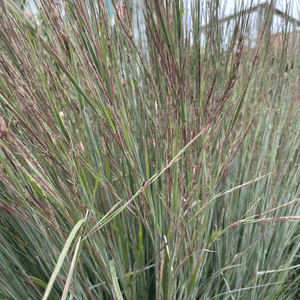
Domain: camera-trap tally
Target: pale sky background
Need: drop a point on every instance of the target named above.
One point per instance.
(229, 5)
(280, 4)
(226, 9)
(290, 6)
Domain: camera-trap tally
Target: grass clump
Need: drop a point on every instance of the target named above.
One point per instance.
(159, 170)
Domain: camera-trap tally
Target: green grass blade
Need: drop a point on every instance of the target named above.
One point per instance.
(62, 257)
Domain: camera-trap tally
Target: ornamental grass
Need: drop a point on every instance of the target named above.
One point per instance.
(165, 169)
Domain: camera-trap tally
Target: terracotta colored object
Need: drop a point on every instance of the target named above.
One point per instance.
(277, 40)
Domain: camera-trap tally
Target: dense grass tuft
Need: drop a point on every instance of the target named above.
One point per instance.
(159, 170)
